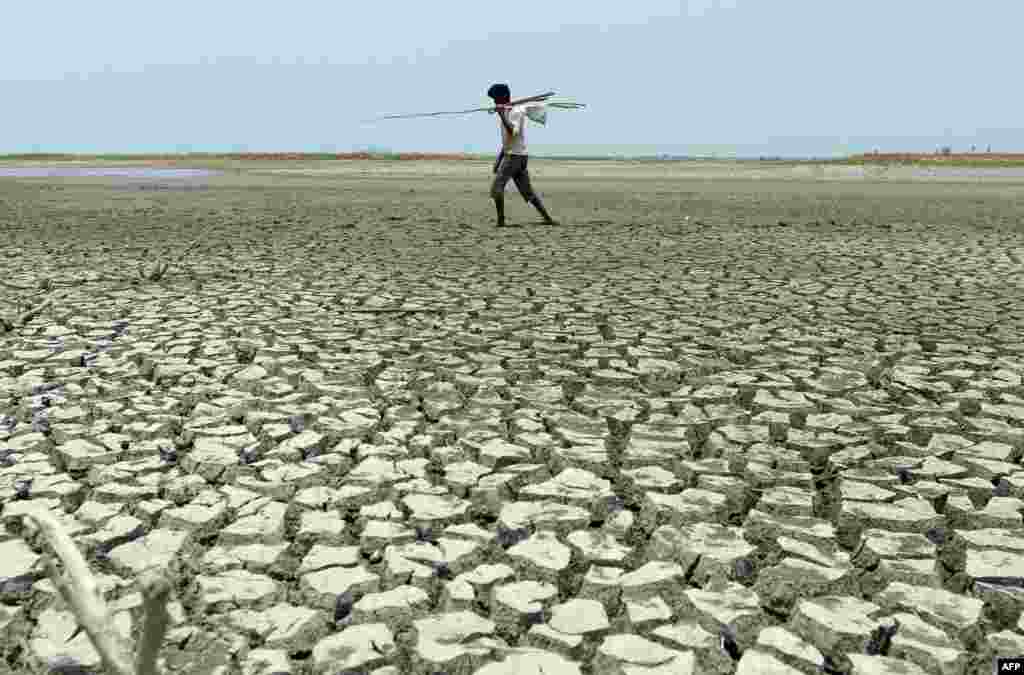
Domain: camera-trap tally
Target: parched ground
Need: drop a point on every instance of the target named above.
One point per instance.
(714, 423)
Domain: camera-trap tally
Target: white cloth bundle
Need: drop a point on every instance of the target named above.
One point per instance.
(538, 111)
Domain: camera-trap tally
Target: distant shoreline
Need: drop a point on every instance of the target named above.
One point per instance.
(904, 159)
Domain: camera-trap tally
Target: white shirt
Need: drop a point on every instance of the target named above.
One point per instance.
(514, 144)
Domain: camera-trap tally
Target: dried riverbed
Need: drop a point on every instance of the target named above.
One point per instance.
(708, 425)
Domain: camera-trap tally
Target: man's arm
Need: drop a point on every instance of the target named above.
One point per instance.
(504, 120)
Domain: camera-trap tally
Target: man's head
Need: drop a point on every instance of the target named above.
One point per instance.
(500, 93)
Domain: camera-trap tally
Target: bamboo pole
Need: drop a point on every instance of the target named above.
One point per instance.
(518, 101)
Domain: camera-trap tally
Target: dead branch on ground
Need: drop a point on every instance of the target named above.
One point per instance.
(389, 310)
(160, 268)
(16, 287)
(78, 587)
(155, 273)
(20, 321)
(156, 591)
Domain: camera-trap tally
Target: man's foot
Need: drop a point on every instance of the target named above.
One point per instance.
(551, 221)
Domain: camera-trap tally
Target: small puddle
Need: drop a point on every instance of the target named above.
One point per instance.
(101, 172)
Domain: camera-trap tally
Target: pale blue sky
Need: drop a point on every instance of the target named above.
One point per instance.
(748, 77)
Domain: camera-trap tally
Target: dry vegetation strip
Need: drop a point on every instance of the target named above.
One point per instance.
(1002, 159)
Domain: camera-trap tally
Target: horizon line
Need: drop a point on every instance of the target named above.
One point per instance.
(369, 154)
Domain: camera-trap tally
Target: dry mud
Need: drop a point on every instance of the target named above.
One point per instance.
(705, 426)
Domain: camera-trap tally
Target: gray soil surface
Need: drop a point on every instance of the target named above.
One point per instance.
(718, 421)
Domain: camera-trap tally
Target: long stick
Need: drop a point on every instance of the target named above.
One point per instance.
(79, 589)
(528, 99)
(531, 99)
(155, 592)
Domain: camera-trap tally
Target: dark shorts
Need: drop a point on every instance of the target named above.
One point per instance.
(512, 167)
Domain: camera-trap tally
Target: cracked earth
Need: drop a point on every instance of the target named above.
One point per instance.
(741, 426)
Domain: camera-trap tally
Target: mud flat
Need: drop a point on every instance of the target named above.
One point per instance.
(71, 171)
(713, 423)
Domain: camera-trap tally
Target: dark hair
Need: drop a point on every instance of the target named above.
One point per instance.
(499, 92)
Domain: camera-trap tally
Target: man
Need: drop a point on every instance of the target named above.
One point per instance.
(512, 160)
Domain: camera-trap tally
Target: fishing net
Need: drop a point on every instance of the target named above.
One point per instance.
(538, 112)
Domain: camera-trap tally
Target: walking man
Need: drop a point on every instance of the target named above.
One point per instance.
(512, 160)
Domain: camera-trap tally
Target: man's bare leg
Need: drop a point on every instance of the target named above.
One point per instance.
(539, 205)
(499, 206)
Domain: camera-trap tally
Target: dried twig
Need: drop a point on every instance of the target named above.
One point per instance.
(98, 280)
(18, 322)
(16, 287)
(181, 256)
(388, 310)
(155, 592)
(79, 589)
(156, 274)
(160, 268)
(35, 311)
